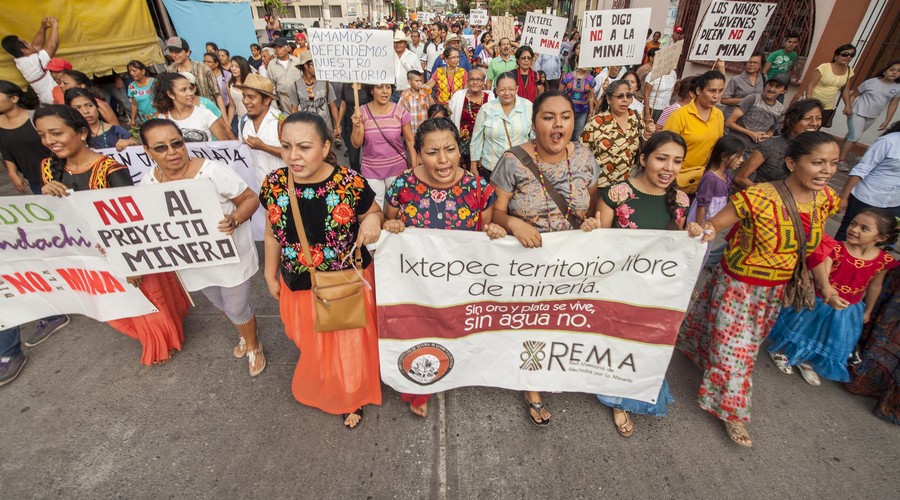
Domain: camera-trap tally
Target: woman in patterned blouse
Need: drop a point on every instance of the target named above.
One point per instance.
(338, 372)
(614, 134)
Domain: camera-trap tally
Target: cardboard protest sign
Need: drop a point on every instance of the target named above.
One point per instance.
(503, 27)
(543, 33)
(478, 17)
(352, 56)
(594, 312)
(159, 227)
(49, 266)
(234, 154)
(730, 31)
(613, 37)
(666, 60)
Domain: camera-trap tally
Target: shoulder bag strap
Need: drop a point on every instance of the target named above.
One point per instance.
(391, 144)
(301, 233)
(506, 129)
(791, 206)
(554, 195)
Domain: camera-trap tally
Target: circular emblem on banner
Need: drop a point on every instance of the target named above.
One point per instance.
(425, 363)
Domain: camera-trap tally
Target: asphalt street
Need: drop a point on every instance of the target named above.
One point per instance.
(86, 420)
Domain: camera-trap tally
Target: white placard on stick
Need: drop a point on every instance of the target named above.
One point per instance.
(352, 56)
(478, 17)
(425, 18)
(730, 31)
(613, 37)
(502, 27)
(666, 60)
(544, 33)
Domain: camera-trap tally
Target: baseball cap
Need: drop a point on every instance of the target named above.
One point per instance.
(781, 78)
(178, 43)
(279, 42)
(679, 29)
(58, 64)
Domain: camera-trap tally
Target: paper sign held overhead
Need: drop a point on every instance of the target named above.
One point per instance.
(613, 37)
(730, 31)
(666, 60)
(502, 27)
(544, 33)
(352, 56)
(478, 17)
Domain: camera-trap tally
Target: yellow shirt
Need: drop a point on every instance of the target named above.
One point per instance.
(829, 85)
(700, 137)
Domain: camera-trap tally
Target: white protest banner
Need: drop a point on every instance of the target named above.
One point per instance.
(613, 37)
(352, 56)
(49, 266)
(478, 17)
(594, 312)
(159, 227)
(502, 27)
(730, 31)
(425, 18)
(234, 154)
(543, 33)
(666, 60)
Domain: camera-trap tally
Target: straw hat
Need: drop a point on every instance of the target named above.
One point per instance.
(260, 84)
(400, 37)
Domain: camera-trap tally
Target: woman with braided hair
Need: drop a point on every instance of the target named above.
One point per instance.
(649, 199)
(74, 166)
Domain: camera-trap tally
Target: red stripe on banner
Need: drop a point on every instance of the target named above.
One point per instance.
(628, 322)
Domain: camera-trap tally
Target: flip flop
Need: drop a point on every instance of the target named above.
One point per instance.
(359, 412)
(621, 428)
(537, 407)
(736, 431)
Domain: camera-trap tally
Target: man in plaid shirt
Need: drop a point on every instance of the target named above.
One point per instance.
(415, 100)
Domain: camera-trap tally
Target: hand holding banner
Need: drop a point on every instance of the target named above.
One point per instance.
(730, 31)
(613, 37)
(544, 33)
(342, 55)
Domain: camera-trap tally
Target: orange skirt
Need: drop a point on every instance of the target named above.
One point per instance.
(162, 331)
(338, 372)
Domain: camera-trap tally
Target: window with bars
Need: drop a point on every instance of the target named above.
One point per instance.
(789, 16)
(310, 11)
(261, 12)
(621, 4)
(335, 11)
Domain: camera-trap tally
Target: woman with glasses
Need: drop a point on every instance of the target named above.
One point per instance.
(464, 107)
(830, 82)
(448, 79)
(500, 125)
(749, 82)
(227, 286)
(529, 86)
(614, 134)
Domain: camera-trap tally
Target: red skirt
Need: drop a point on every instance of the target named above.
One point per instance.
(338, 372)
(162, 331)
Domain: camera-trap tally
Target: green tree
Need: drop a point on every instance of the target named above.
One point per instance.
(517, 7)
(273, 6)
(399, 10)
(464, 6)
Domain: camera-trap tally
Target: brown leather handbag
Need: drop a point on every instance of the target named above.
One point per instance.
(339, 296)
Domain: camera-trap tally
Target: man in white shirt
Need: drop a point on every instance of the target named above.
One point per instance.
(259, 127)
(32, 58)
(405, 61)
(433, 48)
(417, 45)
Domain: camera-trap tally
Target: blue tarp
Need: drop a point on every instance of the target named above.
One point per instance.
(229, 25)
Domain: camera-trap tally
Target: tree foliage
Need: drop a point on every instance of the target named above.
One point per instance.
(399, 10)
(273, 6)
(517, 7)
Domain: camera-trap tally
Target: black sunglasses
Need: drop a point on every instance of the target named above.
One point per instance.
(162, 148)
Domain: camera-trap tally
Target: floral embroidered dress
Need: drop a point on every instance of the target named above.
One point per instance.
(456, 207)
(329, 211)
(614, 148)
(635, 209)
(467, 123)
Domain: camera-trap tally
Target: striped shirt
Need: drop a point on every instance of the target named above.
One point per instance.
(383, 149)
(490, 139)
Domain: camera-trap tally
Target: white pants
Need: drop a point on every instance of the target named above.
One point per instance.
(380, 186)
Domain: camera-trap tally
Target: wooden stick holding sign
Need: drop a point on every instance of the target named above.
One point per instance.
(186, 291)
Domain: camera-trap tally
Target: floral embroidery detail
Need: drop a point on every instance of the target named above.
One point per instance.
(620, 192)
(309, 194)
(457, 207)
(274, 213)
(623, 214)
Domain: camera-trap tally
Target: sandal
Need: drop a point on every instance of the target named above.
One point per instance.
(537, 407)
(738, 433)
(623, 428)
(240, 350)
(257, 360)
(781, 362)
(358, 413)
(809, 375)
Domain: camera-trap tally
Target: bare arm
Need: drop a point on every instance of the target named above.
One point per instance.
(808, 86)
(17, 180)
(107, 113)
(527, 235)
(52, 42)
(892, 108)
(359, 131)
(742, 178)
(852, 181)
(272, 262)
(410, 145)
(221, 132)
(732, 124)
(872, 293)
(370, 225)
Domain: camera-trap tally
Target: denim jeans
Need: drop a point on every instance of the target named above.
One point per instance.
(10, 343)
(580, 122)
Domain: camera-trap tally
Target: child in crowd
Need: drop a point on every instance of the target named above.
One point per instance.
(780, 61)
(649, 199)
(685, 95)
(712, 192)
(415, 100)
(872, 96)
(756, 118)
(820, 341)
(438, 111)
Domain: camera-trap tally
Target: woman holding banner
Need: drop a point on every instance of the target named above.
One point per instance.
(338, 371)
(227, 286)
(439, 194)
(74, 166)
(546, 185)
(766, 255)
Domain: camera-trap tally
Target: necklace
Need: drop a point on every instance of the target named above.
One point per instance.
(165, 178)
(537, 161)
(102, 134)
(469, 106)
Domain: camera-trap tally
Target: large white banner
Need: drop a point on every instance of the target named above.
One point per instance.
(235, 154)
(352, 56)
(159, 227)
(613, 37)
(591, 312)
(543, 33)
(49, 266)
(730, 31)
